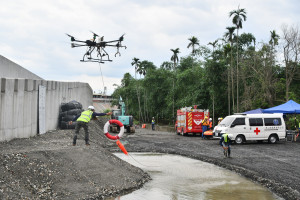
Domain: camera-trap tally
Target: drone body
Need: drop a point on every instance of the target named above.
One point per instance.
(97, 46)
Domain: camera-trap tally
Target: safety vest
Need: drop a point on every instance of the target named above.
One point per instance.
(210, 124)
(205, 122)
(85, 116)
(225, 137)
(153, 121)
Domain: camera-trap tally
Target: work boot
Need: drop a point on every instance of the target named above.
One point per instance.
(87, 144)
(74, 144)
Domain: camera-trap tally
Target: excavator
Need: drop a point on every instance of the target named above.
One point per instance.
(127, 120)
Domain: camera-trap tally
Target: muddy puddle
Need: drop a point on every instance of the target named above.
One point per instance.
(177, 178)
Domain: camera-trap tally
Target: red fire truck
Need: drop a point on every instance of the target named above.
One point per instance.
(189, 120)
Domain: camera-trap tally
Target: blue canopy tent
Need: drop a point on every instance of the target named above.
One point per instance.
(256, 111)
(290, 107)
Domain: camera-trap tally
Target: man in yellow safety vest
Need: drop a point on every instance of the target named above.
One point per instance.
(225, 142)
(153, 124)
(82, 121)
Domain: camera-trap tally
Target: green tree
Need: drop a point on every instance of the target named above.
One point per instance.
(127, 91)
(166, 65)
(174, 57)
(214, 45)
(274, 38)
(229, 35)
(291, 53)
(175, 60)
(136, 63)
(239, 16)
(193, 43)
(273, 42)
(144, 68)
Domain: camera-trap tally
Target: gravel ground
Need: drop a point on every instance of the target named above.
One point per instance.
(49, 167)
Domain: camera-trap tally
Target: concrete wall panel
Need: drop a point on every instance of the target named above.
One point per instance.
(19, 104)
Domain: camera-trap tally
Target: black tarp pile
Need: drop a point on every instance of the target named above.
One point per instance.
(67, 112)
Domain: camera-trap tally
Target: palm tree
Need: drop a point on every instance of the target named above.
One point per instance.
(239, 16)
(273, 41)
(175, 60)
(193, 42)
(136, 63)
(141, 70)
(214, 44)
(274, 38)
(229, 36)
(227, 50)
(166, 65)
(174, 57)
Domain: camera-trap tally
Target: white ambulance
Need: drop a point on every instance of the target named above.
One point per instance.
(247, 127)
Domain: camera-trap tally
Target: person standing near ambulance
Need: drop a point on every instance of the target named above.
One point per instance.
(219, 120)
(205, 124)
(210, 124)
(82, 122)
(225, 142)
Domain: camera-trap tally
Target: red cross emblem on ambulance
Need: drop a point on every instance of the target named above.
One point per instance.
(256, 131)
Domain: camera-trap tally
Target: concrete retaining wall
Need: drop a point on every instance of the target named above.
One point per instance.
(19, 104)
(9, 69)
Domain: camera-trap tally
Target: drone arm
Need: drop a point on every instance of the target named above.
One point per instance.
(78, 45)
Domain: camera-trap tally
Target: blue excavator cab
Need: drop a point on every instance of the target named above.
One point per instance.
(127, 120)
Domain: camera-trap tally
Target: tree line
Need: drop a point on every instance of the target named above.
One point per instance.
(232, 74)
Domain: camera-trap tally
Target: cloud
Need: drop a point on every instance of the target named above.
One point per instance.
(33, 32)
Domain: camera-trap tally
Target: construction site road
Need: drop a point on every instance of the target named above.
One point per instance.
(49, 167)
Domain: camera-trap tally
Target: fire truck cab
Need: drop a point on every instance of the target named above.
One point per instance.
(189, 120)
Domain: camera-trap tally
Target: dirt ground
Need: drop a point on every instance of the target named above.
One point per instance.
(49, 167)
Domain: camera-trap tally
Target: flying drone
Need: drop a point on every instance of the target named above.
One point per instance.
(97, 46)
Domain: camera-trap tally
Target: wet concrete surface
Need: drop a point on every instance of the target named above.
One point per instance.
(178, 177)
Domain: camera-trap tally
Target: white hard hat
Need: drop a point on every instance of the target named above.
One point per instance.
(230, 136)
(91, 108)
(210, 119)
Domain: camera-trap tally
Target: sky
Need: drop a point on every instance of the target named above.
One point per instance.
(33, 32)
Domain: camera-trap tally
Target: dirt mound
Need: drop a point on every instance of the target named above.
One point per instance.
(49, 167)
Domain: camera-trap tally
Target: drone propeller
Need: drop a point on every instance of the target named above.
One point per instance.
(121, 38)
(94, 34)
(72, 38)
